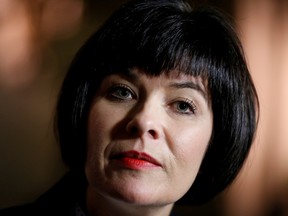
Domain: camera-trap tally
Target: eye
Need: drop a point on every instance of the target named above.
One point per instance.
(121, 92)
(185, 106)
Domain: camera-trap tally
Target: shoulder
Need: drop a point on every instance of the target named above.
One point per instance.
(59, 200)
(27, 209)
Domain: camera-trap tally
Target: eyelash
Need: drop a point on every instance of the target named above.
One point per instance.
(191, 106)
(115, 90)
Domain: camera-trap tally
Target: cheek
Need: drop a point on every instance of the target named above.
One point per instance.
(97, 133)
(190, 150)
(191, 155)
(100, 124)
(195, 146)
(199, 138)
(102, 121)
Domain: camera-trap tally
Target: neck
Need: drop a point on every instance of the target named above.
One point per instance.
(98, 205)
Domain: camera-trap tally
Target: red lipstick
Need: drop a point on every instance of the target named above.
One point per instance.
(135, 160)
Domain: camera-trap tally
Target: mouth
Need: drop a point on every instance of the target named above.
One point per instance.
(135, 160)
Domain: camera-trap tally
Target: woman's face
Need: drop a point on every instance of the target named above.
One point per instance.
(147, 137)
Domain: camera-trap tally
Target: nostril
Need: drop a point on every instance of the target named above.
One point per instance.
(133, 130)
(140, 127)
(153, 133)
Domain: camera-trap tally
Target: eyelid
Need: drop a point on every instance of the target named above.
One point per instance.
(116, 86)
(191, 103)
(192, 106)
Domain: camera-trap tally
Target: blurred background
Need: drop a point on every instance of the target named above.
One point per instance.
(37, 42)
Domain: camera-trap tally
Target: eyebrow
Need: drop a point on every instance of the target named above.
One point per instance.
(129, 75)
(191, 85)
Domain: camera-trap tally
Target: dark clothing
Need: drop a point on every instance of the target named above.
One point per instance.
(59, 200)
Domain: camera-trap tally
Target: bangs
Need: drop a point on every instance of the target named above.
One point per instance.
(158, 45)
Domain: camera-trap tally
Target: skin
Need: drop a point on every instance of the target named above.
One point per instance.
(166, 117)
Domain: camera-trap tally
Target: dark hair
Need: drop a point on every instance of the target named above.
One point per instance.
(159, 36)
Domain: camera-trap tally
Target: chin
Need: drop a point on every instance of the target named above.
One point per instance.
(141, 197)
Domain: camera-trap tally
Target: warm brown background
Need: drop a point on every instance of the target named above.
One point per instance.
(38, 40)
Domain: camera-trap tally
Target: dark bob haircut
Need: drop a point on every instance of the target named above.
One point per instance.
(160, 36)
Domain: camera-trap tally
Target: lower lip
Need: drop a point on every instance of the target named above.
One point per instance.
(134, 163)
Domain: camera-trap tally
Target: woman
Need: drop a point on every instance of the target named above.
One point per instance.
(158, 107)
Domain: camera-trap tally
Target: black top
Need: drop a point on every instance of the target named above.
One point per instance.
(59, 200)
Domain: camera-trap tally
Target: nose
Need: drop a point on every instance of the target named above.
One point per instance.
(146, 121)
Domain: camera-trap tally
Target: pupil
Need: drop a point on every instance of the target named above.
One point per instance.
(124, 93)
(182, 106)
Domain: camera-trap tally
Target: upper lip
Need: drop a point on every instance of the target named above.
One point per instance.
(137, 155)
